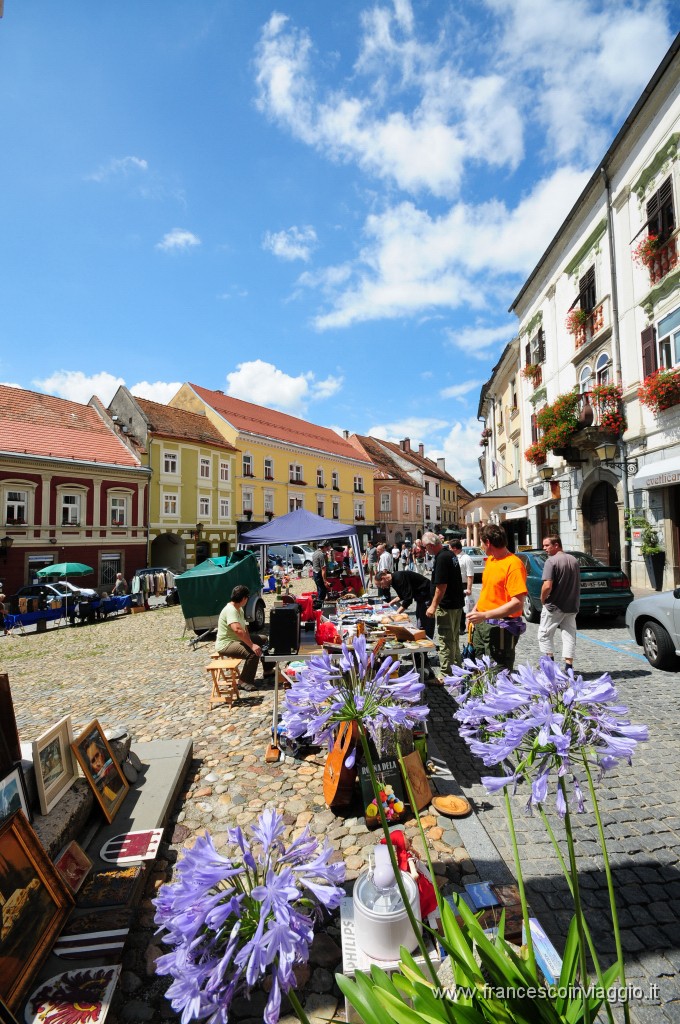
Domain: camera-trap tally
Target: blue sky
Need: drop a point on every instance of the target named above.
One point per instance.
(322, 206)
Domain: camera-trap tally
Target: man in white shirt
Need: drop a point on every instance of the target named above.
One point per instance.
(385, 564)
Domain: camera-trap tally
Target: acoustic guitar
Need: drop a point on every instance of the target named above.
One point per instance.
(338, 779)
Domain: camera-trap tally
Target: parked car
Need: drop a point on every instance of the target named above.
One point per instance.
(46, 592)
(654, 623)
(478, 559)
(605, 590)
(299, 556)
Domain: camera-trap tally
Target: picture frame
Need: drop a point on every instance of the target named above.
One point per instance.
(40, 903)
(55, 769)
(6, 1016)
(100, 768)
(13, 794)
(74, 865)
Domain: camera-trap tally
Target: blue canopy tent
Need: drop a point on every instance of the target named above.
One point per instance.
(300, 526)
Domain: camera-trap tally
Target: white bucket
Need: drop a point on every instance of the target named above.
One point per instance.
(381, 932)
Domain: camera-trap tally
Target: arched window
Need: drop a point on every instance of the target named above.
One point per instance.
(603, 368)
(585, 379)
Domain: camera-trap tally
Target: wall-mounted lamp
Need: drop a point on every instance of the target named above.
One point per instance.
(546, 472)
(5, 545)
(196, 532)
(606, 454)
(53, 540)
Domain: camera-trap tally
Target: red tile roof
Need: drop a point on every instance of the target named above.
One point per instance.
(386, 467)
(35, 424)
(179, 423)
(279, 426)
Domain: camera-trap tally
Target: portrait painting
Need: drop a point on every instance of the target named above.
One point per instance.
(35, 904)
(55, 770)
(13, 795)
(73, 865)
(101, 769)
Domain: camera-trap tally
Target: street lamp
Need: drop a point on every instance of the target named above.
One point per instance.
(606, 453)
(546, 472)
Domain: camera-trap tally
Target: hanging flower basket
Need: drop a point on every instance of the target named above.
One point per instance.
(559, 421)
(536, 453)
(608, 401)
(531, 371)
(645, 251)
(576, 320)
(660, 390)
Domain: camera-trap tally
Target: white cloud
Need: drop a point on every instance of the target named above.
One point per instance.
(159, 391)
(117, 167)
(476, 341)
(417, 428)
(178, 240)
(263, 383)
(293, 244)
(457, 443)
(78, 387)
(460, 390)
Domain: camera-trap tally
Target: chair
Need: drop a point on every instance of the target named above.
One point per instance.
(225, 680)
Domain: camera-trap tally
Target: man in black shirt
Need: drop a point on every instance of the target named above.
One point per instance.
(446, 605)
(410, 586)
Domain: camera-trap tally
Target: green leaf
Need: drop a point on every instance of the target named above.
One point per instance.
(363, 999)
(569, 964)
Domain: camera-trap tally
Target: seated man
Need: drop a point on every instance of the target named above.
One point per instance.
(234, 639)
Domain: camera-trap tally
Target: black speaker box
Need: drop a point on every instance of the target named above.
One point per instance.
(284, 629)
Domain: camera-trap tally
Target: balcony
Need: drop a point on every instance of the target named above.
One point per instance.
(298, 483)
(665, 260)
(597, 320)
(600, 418)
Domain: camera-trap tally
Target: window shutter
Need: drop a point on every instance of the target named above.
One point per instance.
(527, 354)
(649, 361)
(586, 290)
(541, 345)
(534, 428)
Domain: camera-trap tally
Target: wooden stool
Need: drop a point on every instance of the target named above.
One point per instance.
(225, 677)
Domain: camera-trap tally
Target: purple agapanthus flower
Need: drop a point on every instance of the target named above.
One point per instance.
(354, 690)
(232, 920)
(537, 722)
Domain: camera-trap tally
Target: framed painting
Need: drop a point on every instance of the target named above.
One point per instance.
(100, 768)
(73, 865)
(5, 1016)
(35, 905)
(55, 770)
(13, 795)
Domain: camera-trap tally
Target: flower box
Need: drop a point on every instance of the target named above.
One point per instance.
(660, 390)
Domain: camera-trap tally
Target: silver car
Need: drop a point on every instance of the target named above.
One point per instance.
(478, 559)
(654, 623)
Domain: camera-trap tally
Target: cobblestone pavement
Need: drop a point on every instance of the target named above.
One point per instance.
(640, 807)
(139, 671)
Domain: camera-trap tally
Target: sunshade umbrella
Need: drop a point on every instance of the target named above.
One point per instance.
(63, 570)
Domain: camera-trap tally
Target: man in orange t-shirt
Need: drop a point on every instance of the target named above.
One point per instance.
(504, 587)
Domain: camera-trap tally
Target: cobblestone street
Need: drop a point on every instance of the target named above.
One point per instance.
(139, 671)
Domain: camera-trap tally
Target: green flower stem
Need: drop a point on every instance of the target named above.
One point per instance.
(520, 882)
(297, 1006)
(393, 857)
(426, 848)
(610, 888)
(586, 929)
(578, 909)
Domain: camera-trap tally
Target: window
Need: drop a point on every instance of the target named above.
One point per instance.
(247, 465)
(585, 379)
(118, 510)
(436, 490)
(427, 487)
(336, 510)
(224, 472)
(204, 507)
(513, 393)
(427, 512)
(269, 469)
(247, 501)
(359, 484)
(16, 508)
(534, 351)
(224, 508)
(319, 478)
(204, 469)
(320, 508)
(269, 501)
(660, 212)
(359, 511)
(110, 565)
(515, 461)
(405, 504)
(417, 506)
(669, 343)
(294, 504)
(296, 473)
(169, 504)
(169, 462)
(336, 481)
(70, 510)
(603, 368)
(385, 502)
(586, 291)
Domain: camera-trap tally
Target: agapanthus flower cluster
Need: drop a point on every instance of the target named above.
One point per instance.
(232, 920)
(352, 690)
(535, 722)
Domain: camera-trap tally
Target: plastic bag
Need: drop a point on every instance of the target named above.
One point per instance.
(326, 633)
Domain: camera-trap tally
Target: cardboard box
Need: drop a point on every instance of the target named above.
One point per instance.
(139, 608)
(402, 632)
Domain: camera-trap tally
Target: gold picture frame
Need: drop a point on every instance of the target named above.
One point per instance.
(100, 768)
(55, 769)
(39, 901)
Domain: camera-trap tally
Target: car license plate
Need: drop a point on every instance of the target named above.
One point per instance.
(591, 584)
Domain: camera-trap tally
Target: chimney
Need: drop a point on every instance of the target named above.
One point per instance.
(421, 450)
(405, 445)
(345, 434)
(441, 463)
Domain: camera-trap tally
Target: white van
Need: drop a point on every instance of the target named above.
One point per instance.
(298, 555)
